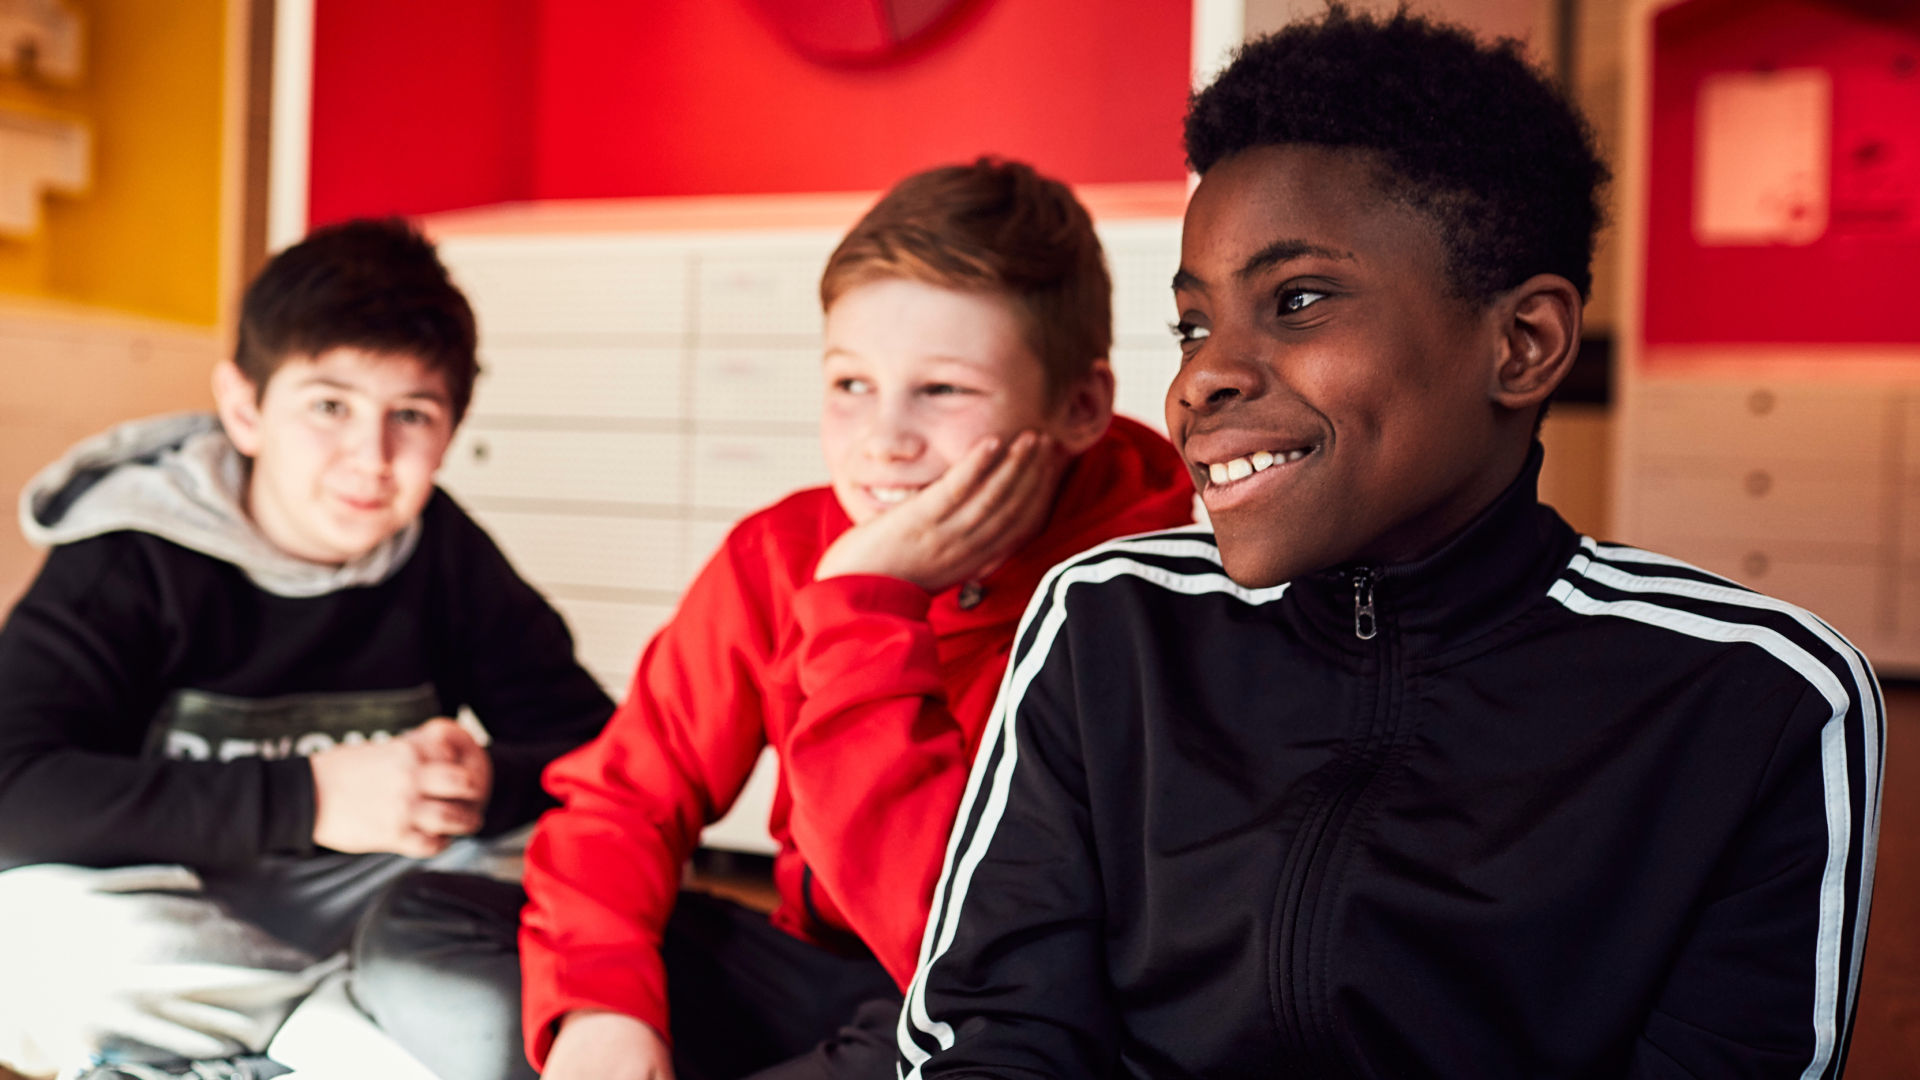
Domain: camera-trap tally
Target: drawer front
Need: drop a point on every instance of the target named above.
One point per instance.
(782, 385)
(589, 466)
(1141, 375)
(1759, 421)
(609, 636)
(1848, 595)
(775, 293)
(593, 550)
(1142, 262)
(743, 473)
(558, 286)
(586, 381)
(1781, 500)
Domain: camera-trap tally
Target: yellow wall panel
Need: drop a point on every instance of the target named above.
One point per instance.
(146, 237)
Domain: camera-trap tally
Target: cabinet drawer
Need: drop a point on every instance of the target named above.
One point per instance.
(1142, 258)
(590, 466)
(1843, 425)
(1849, 595)
(571, 285)
(772, 384)
(742, 473)
(592, 550)
(773, 292)
(1141, 375)
(590, 381)
(608, 636)
(1790, 501)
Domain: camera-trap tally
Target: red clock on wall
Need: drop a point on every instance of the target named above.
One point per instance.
(858, 32)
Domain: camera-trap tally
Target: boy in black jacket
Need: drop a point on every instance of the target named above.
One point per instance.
(1392, 774)
(225, 702)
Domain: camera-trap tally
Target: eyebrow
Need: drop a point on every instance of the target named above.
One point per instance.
(1280, 251)
(336, 384)
(940, 358)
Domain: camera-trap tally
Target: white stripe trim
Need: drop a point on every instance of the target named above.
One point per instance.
(944, 923)
(1833, 755)
(1873, 736)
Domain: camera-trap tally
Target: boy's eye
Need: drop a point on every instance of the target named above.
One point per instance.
(943, 389)
(1293, 301)
(852, 385)
(1187, 333)
(411, 417)
(329, 407)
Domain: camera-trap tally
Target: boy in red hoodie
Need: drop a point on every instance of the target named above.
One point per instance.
(861, 630)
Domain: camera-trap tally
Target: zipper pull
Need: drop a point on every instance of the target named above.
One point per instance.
(1365, 626)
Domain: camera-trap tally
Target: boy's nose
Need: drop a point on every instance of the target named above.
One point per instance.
(372, 445)
(1217, 376)
(891, 438)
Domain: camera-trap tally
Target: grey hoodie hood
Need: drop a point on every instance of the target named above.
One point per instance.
(179, 478)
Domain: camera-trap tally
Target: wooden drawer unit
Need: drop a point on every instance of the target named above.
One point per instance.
(1762, 421)
(570, 380)
(744, 473)
(775, 292)
(593, 550)
(757, 385)
(1797, 502)
(581, 466)
(572, 286)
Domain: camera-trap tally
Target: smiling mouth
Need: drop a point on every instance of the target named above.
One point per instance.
(1225, 473)
(889, 496)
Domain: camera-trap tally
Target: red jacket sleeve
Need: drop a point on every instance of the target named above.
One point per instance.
(603, 871)
(875, 763)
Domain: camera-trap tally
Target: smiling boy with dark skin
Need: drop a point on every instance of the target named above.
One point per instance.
(1391, 773)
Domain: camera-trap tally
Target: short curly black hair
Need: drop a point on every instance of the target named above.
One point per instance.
(1470, 134)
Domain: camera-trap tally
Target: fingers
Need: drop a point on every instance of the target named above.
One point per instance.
(1017, 485)
(963, 478)
(441, 739)
(441, 818)
(442, 780)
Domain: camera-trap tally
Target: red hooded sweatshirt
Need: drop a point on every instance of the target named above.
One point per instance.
(872, 692)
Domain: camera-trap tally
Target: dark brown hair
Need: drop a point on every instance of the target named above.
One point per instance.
(376, 285)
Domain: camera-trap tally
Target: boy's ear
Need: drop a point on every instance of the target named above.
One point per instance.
(237, 401)
(1086, 409)
(1539, 325)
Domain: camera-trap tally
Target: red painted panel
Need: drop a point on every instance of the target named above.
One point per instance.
(1855, 284)
(424, 107)
(708, 97)
(420, 107)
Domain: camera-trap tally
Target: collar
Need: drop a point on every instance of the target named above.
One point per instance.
(1479, 581)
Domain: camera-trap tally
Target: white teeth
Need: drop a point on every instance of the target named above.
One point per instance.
(890, 495)
(1226, 472)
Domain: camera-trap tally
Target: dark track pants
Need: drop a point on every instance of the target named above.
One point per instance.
(436, 963)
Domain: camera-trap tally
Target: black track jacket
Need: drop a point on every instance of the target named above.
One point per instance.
(1532, 807)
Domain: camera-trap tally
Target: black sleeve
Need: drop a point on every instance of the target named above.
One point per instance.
(518, 672)
(1763, 983)
(83, 661)
(1012, 979)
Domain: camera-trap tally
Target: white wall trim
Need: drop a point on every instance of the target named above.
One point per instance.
(291, 142)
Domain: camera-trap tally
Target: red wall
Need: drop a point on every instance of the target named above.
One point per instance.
(416, 111)
(1856, 284)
